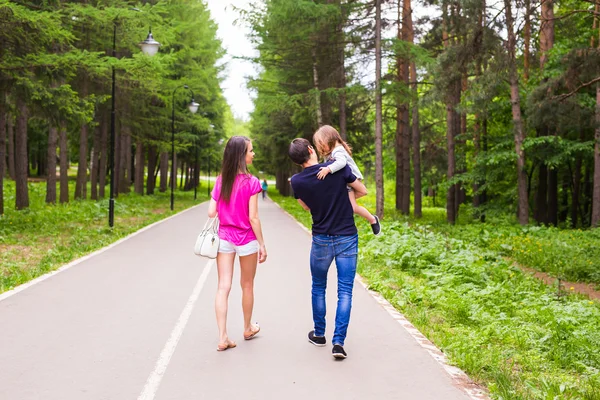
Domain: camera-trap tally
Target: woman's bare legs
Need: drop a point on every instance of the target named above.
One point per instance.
(248, 272)
(225, 272)
(360, 210)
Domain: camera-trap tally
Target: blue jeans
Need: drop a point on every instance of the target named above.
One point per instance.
(325, 249)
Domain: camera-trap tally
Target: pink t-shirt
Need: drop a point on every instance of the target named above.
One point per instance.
(234, 216)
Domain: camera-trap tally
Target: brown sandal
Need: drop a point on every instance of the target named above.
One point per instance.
(228, 345)
(254, 332)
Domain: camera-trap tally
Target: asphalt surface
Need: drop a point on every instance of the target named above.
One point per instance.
(137, 322)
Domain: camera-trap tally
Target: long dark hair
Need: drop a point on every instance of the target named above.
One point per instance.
(234, 163)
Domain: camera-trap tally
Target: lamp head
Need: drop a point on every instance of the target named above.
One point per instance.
(193, 107)
(150, 46)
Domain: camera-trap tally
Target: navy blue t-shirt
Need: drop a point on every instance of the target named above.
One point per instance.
(327, 199)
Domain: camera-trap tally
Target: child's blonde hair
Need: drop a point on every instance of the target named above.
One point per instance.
(325, 139)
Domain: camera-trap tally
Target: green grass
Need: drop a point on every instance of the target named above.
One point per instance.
(45, 237)
(507, 330)
(569, 254)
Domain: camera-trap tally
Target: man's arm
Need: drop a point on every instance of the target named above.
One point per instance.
(303, 204)
(360, 189)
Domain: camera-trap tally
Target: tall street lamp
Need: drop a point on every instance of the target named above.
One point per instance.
(193, 107)
(150, 48)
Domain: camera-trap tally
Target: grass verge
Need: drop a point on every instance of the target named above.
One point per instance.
(45, 237)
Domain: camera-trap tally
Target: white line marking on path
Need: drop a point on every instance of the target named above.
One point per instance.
(50, 274)
(458, 376)
(156, 376)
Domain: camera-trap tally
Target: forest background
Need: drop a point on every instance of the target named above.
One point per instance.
(478, 132)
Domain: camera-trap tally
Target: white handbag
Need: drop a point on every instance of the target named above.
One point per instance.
(207, 243)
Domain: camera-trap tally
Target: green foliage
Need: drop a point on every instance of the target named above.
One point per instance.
(45, 237)
(506, 329)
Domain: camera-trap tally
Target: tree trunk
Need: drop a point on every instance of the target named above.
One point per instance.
(124, 150)
(196, 170)
(461, 194)
(164, 171)
(130, 157)
(451, 195)
(523, 206)
(183, 177)
(484, 141)
(51, 154)
(416, 142)
(341, 59)
(316, 87)
(21, 162)
(399, 123)
(102, 168)
(173, 176)
(553, 196)
(564, 209)
(595, 25)
(595, 222)
(527, 40)
(188, 184)
(546, 30)
(451, 124)
(94, 165)
(152, 161)
(587, 194)
(10, 131)
(139, 167)
(81, 183)
(117, 158)
(541, 203)
(42, 167)
(64, 164)
(378, 115)
(2, 149)
(407, 36)
(476, 152)
(282, 184)
(576, 192)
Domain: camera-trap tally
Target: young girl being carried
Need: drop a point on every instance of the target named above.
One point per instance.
(332, 147)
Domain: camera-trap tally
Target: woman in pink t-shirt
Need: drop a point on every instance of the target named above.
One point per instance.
(235, 201)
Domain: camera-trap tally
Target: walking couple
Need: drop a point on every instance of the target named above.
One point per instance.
(329, 190)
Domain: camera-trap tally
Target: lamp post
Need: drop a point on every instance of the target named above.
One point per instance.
(193, 107)
(150, 48)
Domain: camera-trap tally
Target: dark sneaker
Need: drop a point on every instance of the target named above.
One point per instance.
(338, 352)
(316, 340)
(376, 227)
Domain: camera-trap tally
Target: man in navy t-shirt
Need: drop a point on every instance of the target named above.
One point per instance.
(334, 237)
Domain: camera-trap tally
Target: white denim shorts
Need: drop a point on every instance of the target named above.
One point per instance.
(243, 250)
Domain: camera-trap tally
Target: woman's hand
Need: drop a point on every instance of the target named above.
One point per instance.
(324, 171)
(262, 254)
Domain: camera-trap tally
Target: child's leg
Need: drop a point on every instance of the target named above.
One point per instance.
(360, 210)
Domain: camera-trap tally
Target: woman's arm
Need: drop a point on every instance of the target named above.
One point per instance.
(257, 228)
(212, 208)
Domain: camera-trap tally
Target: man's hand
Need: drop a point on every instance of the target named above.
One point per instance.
(323, 172)
(262, 254)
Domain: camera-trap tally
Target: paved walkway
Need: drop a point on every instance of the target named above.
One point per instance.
(137, 322)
